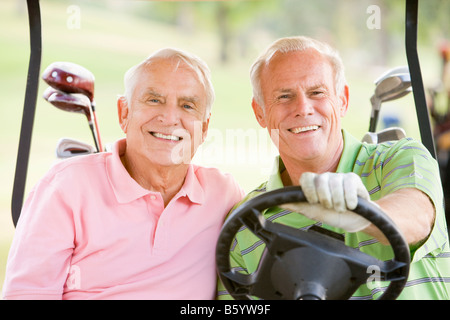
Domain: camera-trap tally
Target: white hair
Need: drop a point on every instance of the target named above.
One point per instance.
(290, 44)
(200, 68)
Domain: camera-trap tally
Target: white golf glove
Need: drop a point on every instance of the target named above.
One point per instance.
(330, 197)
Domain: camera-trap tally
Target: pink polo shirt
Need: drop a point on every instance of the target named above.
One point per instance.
(89, 231)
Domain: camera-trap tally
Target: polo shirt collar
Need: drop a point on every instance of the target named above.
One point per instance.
(124, 186)
(275, 181)
(349, 153)
(351, 150)
(192, 187)
(126, 189)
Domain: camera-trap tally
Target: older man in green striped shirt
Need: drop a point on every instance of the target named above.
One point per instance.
(300, 95)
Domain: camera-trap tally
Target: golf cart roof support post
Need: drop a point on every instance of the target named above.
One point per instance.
(34, 16)
(423, 117)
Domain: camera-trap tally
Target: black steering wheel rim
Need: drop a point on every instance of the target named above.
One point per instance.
(231, 278)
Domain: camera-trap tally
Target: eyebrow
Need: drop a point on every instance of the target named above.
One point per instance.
(153, 92)
(193, 99)
(308, 87)
(282, 91)
(317, 86)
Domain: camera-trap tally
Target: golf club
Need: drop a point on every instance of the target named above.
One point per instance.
(393, 85)
(77, 103)
(72, 78)
(67, 148)
(388, 134)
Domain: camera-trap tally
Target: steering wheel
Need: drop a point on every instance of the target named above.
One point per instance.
(307, 265)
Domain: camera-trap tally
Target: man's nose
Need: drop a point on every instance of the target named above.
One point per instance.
(303, 105)
(170, 114)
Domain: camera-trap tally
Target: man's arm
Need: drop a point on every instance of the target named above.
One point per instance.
(42, 247)
(330, 195)
(411, 210)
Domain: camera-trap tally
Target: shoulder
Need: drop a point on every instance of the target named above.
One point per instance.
(387, 156)
(406, 163)
(76, 168)
(404, 147)
(216, 182)
(211, 175)
(401, 159)
(261, 189)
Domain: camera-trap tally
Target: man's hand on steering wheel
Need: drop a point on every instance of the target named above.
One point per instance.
(296, 263)
(331, 198)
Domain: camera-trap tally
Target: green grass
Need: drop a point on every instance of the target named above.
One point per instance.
(108, 43)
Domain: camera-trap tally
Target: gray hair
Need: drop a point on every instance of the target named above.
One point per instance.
(200, 68)
(290, 44)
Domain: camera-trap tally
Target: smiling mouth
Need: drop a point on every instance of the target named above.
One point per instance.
(166, 136)
(304, 129)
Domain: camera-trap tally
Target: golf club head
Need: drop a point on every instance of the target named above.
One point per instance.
(78, 103)
(393, 71)
(48, 92)
(67, 148)
(393, 87)
(388, 134)
(70, 78)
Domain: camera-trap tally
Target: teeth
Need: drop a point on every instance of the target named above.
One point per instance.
(303, 129)
(163, 136)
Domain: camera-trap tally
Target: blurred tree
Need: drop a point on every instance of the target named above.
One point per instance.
(232, 18)
(223, 11)
(340, 22)
(434, 19)
(229, 19)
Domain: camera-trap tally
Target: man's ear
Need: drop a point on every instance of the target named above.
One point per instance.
(259, 113)
(344, 101)
(205, 125)
(122, 109)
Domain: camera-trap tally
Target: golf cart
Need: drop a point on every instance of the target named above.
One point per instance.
(283, 241)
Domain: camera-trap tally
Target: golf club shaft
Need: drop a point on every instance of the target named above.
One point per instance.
(97, 132)
(374, 121)
(94, 135)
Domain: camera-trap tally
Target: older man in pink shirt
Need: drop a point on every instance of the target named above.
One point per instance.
(140, 222)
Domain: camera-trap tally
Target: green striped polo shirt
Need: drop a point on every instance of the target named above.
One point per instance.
(383, 168)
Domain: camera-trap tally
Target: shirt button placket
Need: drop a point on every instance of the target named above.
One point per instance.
(156, 209)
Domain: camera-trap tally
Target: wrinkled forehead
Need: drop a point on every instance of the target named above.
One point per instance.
(289, 66)
(158, 68)
(169, 65)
